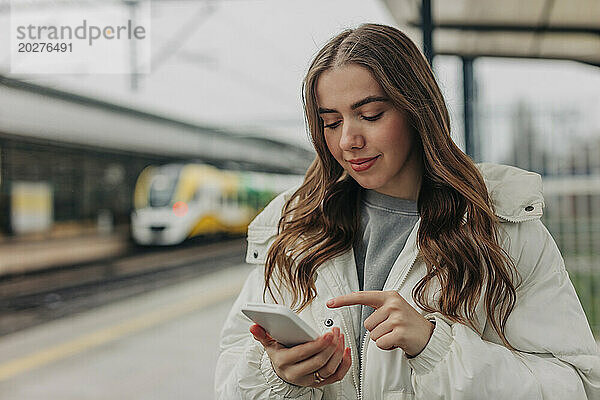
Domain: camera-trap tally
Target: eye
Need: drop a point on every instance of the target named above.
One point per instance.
(333, 125)
(373, 118)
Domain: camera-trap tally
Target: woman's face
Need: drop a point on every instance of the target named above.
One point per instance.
(365, 133)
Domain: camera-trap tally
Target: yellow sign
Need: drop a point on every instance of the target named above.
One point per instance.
(31, 206)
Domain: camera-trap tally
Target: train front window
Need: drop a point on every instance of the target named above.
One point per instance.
(163, 187)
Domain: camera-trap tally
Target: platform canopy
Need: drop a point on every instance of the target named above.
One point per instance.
(548, 29)
(31, 113)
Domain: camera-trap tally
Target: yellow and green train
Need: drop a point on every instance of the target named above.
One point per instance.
(174, 202)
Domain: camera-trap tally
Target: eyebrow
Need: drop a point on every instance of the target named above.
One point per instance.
(366, 100)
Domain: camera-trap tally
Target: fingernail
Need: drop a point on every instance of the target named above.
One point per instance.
(330, 302)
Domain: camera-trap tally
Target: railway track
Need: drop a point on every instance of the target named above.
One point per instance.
(31, 298)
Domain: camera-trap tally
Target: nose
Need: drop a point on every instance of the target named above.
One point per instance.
(351, 138)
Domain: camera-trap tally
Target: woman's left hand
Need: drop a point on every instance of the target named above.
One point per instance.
(394, 323)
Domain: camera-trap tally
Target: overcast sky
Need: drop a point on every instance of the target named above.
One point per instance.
(239, 64)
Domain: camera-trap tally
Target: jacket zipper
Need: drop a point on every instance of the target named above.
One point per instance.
(362, 364)
(365, 344)
(407, 272)
(352, 347)
(513, 220)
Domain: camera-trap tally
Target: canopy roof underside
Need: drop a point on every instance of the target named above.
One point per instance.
(551, 29)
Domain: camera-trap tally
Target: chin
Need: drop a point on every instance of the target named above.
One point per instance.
(367, 185)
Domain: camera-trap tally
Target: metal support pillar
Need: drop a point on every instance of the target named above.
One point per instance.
(5, 188)
(427, 28)
(468, 99)
(133, 56)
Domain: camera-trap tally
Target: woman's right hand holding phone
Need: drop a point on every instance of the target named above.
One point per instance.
(326, 355)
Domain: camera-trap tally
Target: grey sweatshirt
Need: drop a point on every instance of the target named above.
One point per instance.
(385, 223)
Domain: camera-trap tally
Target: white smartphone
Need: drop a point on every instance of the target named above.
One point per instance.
(281, 323)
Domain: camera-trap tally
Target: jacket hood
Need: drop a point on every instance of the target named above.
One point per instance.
(516, 194)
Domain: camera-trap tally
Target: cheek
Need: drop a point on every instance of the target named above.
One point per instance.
(398, 138)
(402, 144)
(333, 147)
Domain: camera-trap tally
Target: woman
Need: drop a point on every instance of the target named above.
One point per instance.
(429, 277)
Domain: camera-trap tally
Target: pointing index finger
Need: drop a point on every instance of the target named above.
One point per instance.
(371, 298)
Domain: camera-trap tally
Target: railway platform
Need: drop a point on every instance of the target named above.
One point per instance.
(160, 345)
(30, 253)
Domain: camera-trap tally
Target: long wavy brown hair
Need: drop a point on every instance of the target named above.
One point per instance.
(458, 234)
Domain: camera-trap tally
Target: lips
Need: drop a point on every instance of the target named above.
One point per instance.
(361, 160)
(362, 164)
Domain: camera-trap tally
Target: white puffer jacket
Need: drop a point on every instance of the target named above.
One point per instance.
(557, 358)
